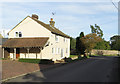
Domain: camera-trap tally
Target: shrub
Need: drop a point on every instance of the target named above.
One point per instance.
(46, 61)
(67, 59)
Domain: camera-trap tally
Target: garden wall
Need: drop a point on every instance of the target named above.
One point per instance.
(104, 52)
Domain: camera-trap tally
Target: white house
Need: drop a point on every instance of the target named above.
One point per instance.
(34, 39)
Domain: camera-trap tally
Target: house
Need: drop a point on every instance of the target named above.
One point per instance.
(34, 39)
(2, 40)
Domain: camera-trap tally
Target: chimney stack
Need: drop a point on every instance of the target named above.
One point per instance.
(35, 16)
(52, 23)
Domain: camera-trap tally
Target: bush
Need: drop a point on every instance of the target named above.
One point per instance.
(46, 61)
(67, 59)
(73, 52)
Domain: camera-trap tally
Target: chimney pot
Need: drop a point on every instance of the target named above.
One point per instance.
(52, 23)
(35, 16)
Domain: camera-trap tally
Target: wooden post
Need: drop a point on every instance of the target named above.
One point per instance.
(3, 53)
(28, 51)
(14, 53)
(40, 53)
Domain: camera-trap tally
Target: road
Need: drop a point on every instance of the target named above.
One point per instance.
(94, 69)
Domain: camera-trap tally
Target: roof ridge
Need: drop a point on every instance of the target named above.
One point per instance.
(51, 28)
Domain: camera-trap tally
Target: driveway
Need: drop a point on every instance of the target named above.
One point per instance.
(94, 69)
(15, 68)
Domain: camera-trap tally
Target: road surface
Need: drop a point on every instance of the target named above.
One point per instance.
(94, 69)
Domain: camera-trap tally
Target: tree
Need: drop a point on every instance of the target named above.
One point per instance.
(103, 45)
(96, 30)
(72, 46)
(72, 43)
(89, 41)
(80, 48)
(116, 45)
(115, 42)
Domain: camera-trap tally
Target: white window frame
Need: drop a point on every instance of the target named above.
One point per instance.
(17, 35)
(58, 50)
(66, 50)
(64, 39)
(56, 36)
(18, 32)
(53, 50)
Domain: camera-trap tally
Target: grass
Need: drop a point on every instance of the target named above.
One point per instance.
(37, 61)
(3, 58)
(73, 56)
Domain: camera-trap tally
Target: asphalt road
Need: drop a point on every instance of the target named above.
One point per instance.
(95, 69)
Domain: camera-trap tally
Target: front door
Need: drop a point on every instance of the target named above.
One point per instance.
(17, 53)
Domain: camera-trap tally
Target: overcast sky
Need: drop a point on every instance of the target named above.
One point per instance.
(71, 17)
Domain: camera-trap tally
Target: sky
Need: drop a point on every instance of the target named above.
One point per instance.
(70, 17)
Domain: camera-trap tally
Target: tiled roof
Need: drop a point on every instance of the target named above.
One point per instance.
(51, 28)
(26, 42)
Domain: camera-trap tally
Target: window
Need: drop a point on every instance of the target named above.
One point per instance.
(53, 50)
(64, 39)
(66, 50)
(58, 50)
(18, 34)
(56, 38)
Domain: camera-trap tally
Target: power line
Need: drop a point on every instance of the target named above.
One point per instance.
(114, 5)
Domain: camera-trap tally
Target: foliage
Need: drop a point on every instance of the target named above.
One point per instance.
(72, 43)
(116, 45)
(80, 48)
(81, 34)
(115, 37)
(115, 42)
(90, 40)
(103, 45)
(73, 56)
(72, 46)
(96, 30)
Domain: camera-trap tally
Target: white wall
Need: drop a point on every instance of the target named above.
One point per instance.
(30, 28)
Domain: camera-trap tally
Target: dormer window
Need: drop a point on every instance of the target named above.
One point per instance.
(18, 34)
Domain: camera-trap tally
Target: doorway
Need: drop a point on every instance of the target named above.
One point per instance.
(17, 53)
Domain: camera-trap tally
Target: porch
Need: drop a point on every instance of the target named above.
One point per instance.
(24, 48)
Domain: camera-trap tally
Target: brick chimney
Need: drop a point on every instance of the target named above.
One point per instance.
(35, 16)
(52, 23)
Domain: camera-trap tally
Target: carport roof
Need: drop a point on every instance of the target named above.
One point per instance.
(25, 42)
